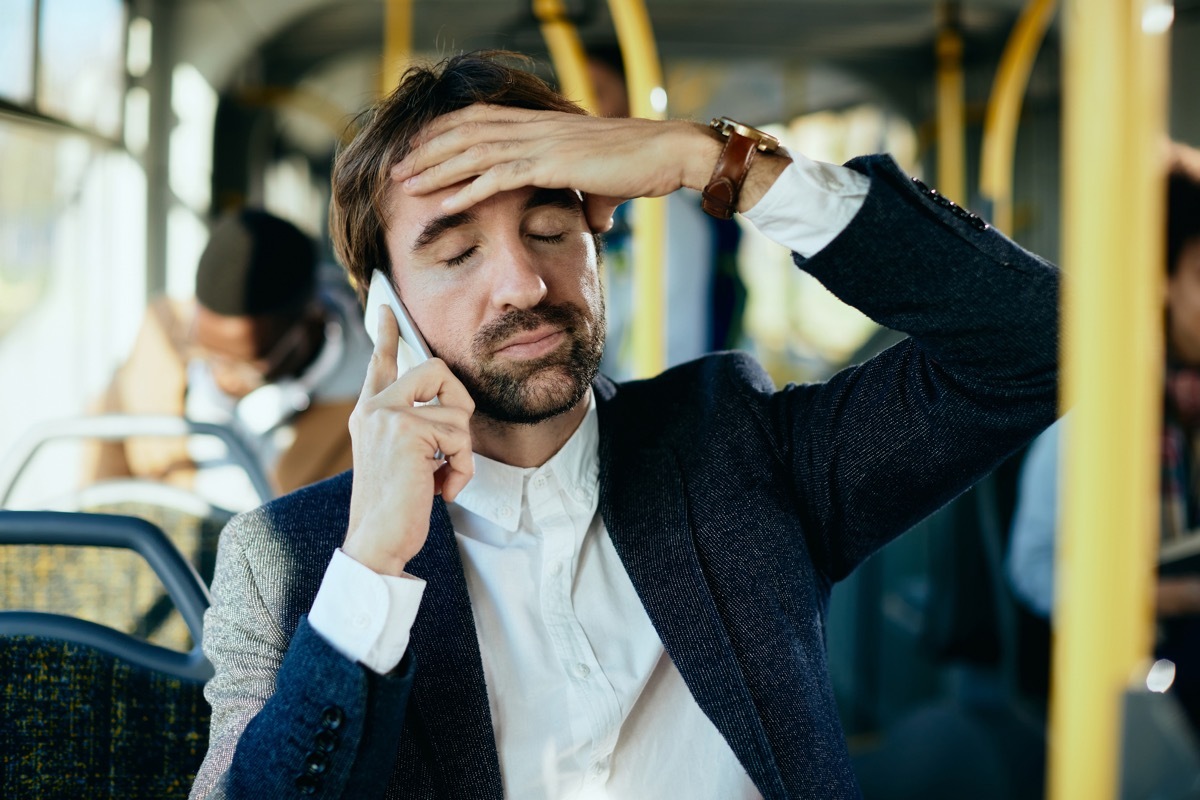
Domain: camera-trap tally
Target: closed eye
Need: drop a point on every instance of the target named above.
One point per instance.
(462, 257)
(558, 237)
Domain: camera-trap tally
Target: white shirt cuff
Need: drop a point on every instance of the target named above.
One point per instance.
(809, 204)
(365, 616)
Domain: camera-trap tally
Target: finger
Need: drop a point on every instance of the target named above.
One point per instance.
(455, 166)
(448, 482)
(381, 370)
(500, 178)
(454, 444)
(476, 113)
(599, 211)
(427, 381)
(457, 131)
(442, 418)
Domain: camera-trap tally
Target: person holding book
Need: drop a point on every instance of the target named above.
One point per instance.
(1177, 591)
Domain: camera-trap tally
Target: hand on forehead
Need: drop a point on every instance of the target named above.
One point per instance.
(492, 149)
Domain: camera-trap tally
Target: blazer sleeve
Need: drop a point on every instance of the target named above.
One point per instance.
(290, 718)
(885, 443)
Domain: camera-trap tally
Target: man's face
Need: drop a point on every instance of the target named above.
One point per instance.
(245, 352)
(1183, 304)
(507, 293)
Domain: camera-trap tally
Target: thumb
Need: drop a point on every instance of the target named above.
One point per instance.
(599, 211)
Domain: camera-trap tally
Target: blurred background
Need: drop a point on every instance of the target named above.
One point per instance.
(128, 126)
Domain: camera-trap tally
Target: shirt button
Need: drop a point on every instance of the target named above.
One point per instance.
(539, 481)
(556, 568)
(505, 511)
(361, 621)
(582, 670)
(581, 493)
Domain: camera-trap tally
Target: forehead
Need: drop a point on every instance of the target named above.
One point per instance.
(241, 336)
(409, 216)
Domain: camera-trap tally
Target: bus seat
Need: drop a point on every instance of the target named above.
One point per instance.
(90, 711)
(113, 587)
(109, 587)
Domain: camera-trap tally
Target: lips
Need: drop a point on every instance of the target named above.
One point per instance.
(532, 344)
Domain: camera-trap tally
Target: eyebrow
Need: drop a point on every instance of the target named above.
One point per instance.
(558, 198)
(439, 225)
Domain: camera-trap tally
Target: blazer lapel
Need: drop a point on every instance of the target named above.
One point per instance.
(644, 506)
(449, 691)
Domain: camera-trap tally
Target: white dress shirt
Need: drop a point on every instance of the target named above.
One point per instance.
(584, 701)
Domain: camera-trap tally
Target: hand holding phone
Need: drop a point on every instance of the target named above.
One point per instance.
(411, 440)
(412, 349)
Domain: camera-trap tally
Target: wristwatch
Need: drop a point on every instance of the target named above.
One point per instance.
(742, 144)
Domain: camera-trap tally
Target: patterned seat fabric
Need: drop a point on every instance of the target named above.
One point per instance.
(78, 722)
(115, 588)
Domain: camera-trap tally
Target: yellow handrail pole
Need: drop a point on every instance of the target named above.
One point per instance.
(1113, 118)
(951, 106)
(566, 52)
(1004, 109)
(397, 42)
(643, 76)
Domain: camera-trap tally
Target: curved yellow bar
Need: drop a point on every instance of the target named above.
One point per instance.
(1113, 190)
(397, 42)
(647, 98)
(951, 107)
(566, 52)
(1004, 109)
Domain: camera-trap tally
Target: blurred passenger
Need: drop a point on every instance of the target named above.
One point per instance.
(622, 587)
(705, 294)
(265, 348)
(1031, 554)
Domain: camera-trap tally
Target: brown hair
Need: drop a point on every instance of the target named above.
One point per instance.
(361, 179)
(1183, 202)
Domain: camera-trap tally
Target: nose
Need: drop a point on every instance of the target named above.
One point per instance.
(516, 281)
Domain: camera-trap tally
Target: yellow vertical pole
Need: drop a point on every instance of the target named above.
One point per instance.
(1004, 109)
(397, 42)
(566, 52)
(951, 128)
(647, 98)
(1113, 120)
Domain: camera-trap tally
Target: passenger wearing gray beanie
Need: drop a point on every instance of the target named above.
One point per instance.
(268, 347)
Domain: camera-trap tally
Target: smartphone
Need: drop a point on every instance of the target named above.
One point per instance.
(411, 350)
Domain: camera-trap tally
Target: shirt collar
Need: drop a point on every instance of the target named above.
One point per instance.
(496, 492)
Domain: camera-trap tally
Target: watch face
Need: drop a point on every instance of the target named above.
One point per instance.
(724, 125)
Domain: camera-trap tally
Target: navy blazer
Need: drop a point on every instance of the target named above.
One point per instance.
(734, 508)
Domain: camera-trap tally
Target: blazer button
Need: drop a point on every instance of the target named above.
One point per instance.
(325, 742)
(307, 784)
(921, 185)
(316, 763)
(332, 718)
(977, 222)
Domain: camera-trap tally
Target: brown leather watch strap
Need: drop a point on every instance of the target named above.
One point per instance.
(721, 193)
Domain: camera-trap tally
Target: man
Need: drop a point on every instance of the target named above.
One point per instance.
(264, 349)
(621, 588)
(1034, 530)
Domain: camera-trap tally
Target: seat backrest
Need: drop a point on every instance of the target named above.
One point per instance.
(80, 722)
(89, 711)
(112, 587)
(120, 427)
